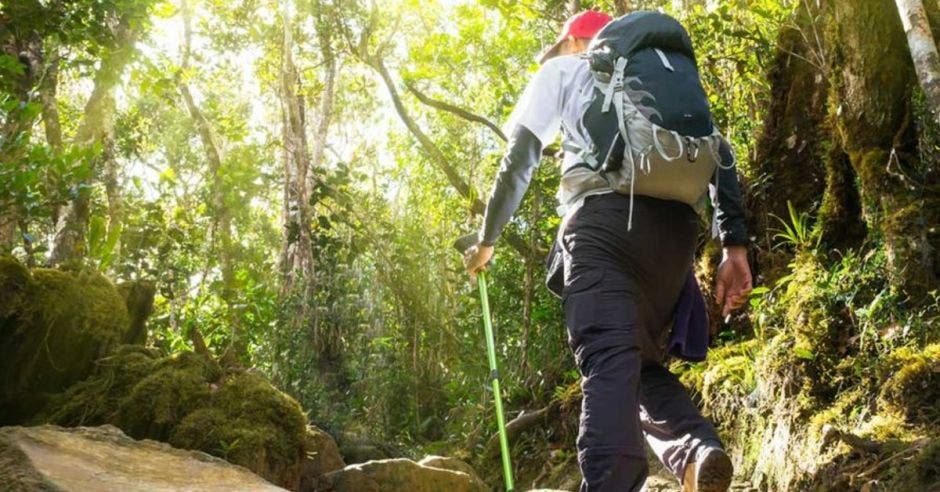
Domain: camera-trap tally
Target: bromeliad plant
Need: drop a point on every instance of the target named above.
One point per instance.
(797, 232)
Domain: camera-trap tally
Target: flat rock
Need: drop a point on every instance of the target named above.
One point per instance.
(453, 464)
(105, 459)
(398, 475)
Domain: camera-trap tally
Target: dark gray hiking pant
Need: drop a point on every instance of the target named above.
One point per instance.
(620, 291)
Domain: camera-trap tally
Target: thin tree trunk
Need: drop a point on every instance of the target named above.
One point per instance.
(296, 262)
(923, 51)
(528, 288)
(15, 127)
(455, 110)
(50, 107)
(222, 216)
(96, 127)
(328, 346)
(572, 6)
(622, 7)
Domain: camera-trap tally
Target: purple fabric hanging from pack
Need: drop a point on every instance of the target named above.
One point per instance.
(689, 338)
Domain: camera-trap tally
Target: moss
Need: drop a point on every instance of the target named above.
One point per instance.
(250, 423)
(95, 400)
(161, 399)
(182, 399)
(55, 326)
(725, 379)
(913, 388)
(15, 283)
(920, 473)
(138, 296)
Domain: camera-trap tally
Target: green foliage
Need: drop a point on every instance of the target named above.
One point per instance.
(797, 231)
(835, 346)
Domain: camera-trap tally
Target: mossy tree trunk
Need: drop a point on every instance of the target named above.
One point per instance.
(96, 127)
(26, 48)
(790, 151)
(842, 126)
(872, 97)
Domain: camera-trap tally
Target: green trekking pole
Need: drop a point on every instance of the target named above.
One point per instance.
(462, 245)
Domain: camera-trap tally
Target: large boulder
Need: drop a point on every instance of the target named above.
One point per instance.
(105, 459)
(323, 456)
(397, 475)
(54, 324)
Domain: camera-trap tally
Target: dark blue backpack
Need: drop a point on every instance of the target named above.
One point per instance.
(649, 119)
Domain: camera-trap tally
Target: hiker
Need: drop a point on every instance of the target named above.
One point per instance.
(625, 251)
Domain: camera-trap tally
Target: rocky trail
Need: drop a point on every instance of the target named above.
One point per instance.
(105, 459)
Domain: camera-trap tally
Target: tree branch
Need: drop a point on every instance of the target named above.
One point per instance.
(450, 108)
(477, 207)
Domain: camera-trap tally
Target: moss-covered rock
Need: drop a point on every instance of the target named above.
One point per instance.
(53, 325)
(248, 422)
(155, 405)
(182, 399)
(913, 388)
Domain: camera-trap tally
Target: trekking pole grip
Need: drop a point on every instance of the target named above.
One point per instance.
(464, 243)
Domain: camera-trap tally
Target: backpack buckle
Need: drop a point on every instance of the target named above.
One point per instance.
(691, 149)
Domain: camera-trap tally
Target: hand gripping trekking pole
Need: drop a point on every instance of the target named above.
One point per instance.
(463, 244)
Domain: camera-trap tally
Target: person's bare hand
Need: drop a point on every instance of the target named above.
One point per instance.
(733, 282)
(476, 258)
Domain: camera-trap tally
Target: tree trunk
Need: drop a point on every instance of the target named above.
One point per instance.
(622, 7)
(327, 343)
(296, 262)
(221, 215)
(572, 7)
(923, 50)
(50, 107)
(873, 82)
(95, 128)
(841, 125)
(14, 131)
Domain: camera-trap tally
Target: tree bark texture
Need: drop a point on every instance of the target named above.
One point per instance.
(873, 88)
(327, 339)
(842, 126)
(14, 129)
(923, 50)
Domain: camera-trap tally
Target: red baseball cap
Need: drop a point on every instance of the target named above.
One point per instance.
(581, 25)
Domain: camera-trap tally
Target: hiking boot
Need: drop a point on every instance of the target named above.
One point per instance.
(710, 472)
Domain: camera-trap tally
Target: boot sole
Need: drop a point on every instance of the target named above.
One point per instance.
(714, 472)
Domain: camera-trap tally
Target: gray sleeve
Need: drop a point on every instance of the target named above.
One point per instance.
(732, 227)
(515, 172)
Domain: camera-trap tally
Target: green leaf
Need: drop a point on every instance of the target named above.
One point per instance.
(168, 175)
(804, 353)
(97, 229)
(164, 10)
